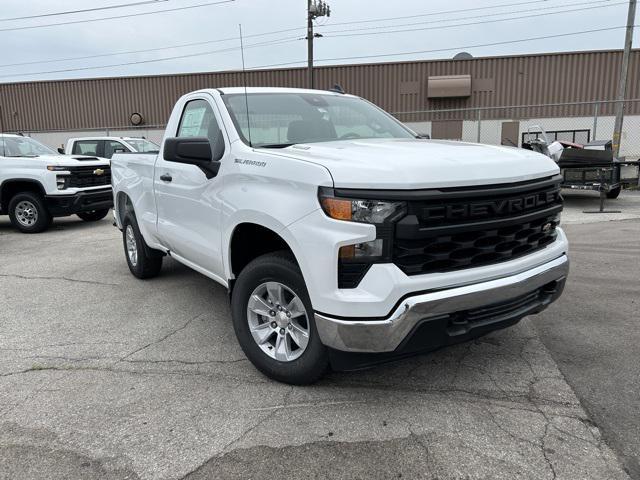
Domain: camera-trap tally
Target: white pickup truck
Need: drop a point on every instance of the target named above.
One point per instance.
(343, 239)
(37, 184)
(107, 147)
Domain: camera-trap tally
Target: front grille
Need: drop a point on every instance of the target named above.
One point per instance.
(83, 177)
(465, 228)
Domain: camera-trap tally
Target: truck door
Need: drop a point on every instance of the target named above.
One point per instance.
(188, 203)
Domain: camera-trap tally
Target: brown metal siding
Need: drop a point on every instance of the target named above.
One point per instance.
(512, 80)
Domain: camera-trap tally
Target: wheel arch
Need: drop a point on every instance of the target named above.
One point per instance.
(10, 187)
(123, 205)
(249, 240)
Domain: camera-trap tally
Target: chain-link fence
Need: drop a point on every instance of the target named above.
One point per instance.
(512, 125)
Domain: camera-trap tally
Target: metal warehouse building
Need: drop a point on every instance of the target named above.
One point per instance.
(491, 99)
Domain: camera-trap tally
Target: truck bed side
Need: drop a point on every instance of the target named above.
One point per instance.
(132, 178)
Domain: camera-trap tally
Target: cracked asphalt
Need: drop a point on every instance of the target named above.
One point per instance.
(106, 376)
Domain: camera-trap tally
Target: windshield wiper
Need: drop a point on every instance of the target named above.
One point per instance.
(275, 145)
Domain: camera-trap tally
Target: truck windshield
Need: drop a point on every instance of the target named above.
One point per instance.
(143, 146)
(23, 147)
(281, 119)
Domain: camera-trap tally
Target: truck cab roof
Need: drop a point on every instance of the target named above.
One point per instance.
(249, 90)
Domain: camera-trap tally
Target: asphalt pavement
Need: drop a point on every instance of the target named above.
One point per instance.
(106, 376)
(593, 331)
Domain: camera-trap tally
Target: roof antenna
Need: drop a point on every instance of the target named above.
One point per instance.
(4, 144)
(244, 79)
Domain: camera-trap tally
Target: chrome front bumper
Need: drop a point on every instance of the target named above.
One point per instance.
(387, 335)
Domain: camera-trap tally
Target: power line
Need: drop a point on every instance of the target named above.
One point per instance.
(482, 22)
(289, 40)
(67, 59)
(95, 9)
(463, 47)
(156, 49)
(73, 22)
(431, 14)
(377, 27)
(280, 41)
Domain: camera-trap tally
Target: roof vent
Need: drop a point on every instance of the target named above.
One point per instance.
(463, 56)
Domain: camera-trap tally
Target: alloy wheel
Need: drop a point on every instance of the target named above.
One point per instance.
(278, 321)
(132, 245)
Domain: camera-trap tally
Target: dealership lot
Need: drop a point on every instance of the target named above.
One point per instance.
(106, 376)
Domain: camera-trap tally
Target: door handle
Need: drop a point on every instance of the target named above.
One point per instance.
(166, 177)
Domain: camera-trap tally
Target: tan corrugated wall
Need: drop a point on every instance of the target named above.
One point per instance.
(397, 87)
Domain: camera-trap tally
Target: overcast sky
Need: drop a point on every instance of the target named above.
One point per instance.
(430, 23)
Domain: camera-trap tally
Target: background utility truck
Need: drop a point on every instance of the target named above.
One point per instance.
(37, 184)
(343, 239)
(107, 147)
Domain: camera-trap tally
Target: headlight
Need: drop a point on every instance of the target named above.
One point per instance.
(61, 181)
(354, 260)
(376, 212)
(57, 168)
(363, 251)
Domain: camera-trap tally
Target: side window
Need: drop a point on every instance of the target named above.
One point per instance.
(198, 120)
(111, 147)
(86, 147)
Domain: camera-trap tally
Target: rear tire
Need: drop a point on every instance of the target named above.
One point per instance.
(93, 215)
(613, 193)
(277, 331)
(28, 213)
(143, 262)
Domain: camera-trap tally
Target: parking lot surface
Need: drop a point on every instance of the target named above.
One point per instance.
(106, 376)
(597, 341)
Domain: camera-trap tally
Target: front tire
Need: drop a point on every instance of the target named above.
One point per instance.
(273, 320)
(28, 213)
(143, 261)
(93, 215)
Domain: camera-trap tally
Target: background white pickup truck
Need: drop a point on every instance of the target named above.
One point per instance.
(343, 238)
(37, 184)
(106, 147)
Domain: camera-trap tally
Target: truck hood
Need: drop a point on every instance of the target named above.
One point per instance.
(414, 164)
(72, 160)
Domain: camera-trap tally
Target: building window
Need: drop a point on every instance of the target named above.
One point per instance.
(575, 136)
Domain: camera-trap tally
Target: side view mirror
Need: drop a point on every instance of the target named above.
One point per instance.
(196, 151)
(424, 136)
(61, 150)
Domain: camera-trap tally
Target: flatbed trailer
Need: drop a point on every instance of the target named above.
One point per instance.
(593, 168)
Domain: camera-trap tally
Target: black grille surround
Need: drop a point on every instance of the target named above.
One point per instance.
(87, 176)
(457, 228)
(453, 229)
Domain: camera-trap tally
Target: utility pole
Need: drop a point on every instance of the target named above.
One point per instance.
(622, 86)
(315, 9)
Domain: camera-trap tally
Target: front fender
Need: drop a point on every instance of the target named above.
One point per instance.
(269, 190)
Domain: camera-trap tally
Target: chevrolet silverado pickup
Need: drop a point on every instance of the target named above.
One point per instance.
(37, 184)
(106, 147)
(344, 238)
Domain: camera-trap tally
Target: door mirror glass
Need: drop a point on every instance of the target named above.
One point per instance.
(218, 146)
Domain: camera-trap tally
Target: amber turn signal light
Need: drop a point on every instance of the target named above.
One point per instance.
(337, 208)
